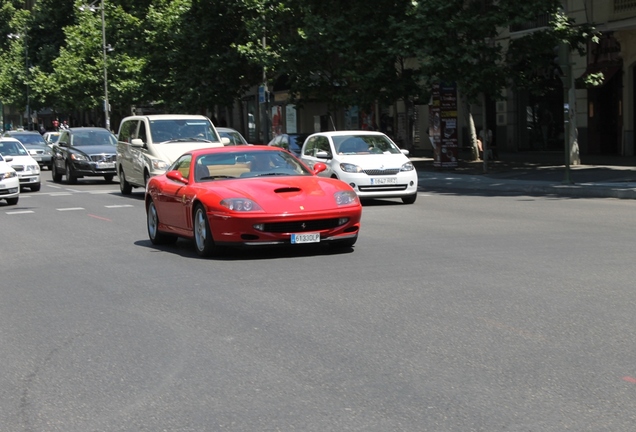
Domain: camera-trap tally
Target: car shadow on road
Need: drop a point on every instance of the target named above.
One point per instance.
(185, 249)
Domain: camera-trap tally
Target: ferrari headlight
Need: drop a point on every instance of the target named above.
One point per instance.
(350, 168)
(241, 205)
(78, 157)
(407, 167)
(159, 165)
(345, 198)
(8, 175)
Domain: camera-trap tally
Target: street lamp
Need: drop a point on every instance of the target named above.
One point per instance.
(105, 49)
(26, 81)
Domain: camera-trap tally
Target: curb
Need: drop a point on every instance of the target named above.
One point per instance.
(435, 181)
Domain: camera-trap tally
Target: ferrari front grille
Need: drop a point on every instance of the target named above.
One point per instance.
(300, 226)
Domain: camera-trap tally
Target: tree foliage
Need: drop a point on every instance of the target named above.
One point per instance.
(190, 55)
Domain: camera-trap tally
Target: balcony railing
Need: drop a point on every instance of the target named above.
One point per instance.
(621, 6)
(541, 20)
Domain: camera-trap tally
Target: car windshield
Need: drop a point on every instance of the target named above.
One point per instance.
(52, 138)
(12, 148)
(214, 166)
(27, 138)
(364, 144)
(182, 130)
(94, 138)
(296, 142)
(234, 136)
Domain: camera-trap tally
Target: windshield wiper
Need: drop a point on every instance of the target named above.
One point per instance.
(188, 139)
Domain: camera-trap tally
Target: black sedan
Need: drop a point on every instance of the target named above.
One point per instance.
(84, 152)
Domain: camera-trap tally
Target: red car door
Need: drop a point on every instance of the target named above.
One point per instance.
(174, 197)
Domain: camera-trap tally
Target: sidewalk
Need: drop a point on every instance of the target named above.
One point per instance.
(533, 173)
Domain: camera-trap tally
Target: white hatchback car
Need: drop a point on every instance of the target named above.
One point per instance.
(372, 164)
(27, 168)
(9, 182)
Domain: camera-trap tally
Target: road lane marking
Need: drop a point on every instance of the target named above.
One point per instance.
(99, 217)
(20, 212)
(70, 209)
(119, 206)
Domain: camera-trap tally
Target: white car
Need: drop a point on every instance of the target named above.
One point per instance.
(148, 144)
(9, 182)
(372, 164)
(27, 168)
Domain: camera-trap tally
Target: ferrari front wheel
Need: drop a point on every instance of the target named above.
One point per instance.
(202, 234)
(156, 236)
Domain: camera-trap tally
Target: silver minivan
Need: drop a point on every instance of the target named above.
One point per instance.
(148, 144)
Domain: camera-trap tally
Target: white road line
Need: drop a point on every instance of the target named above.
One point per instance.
(103, 191)
(119, 206)
(20, 212)
(59, 194)
(70, 209)
(73, 190)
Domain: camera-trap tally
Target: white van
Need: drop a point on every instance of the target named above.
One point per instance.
(148, 144)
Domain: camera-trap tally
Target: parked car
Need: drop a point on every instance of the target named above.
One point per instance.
(292, 142)
(35, 144)
(370, 162)
(249, 196)
(9, 182)
(24, 165)
(233, 135)
(147, 145)
(84, 152)
(51, 137)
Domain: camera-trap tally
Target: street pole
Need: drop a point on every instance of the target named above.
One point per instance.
(106, 103)
(566, 78)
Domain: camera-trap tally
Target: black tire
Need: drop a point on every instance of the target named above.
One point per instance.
(203, 241)
(109, 177)
(70, 178)
(55, 174)
(152, 222)
(124, 186)
(409, 199)
(35, 187)
(12, 201)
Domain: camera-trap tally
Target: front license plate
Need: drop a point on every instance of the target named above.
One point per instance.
(305, 238)
(384, 180)
(105, 165)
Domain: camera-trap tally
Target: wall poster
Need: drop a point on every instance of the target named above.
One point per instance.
(443, 125)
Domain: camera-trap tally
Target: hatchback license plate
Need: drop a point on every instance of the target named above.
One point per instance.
(305, 238)
(384, 180)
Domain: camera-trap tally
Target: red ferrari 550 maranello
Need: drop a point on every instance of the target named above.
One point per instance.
(249, 196)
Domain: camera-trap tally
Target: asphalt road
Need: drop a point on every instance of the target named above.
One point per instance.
(457, 313)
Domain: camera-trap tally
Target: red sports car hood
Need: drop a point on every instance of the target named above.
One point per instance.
(283, 194)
